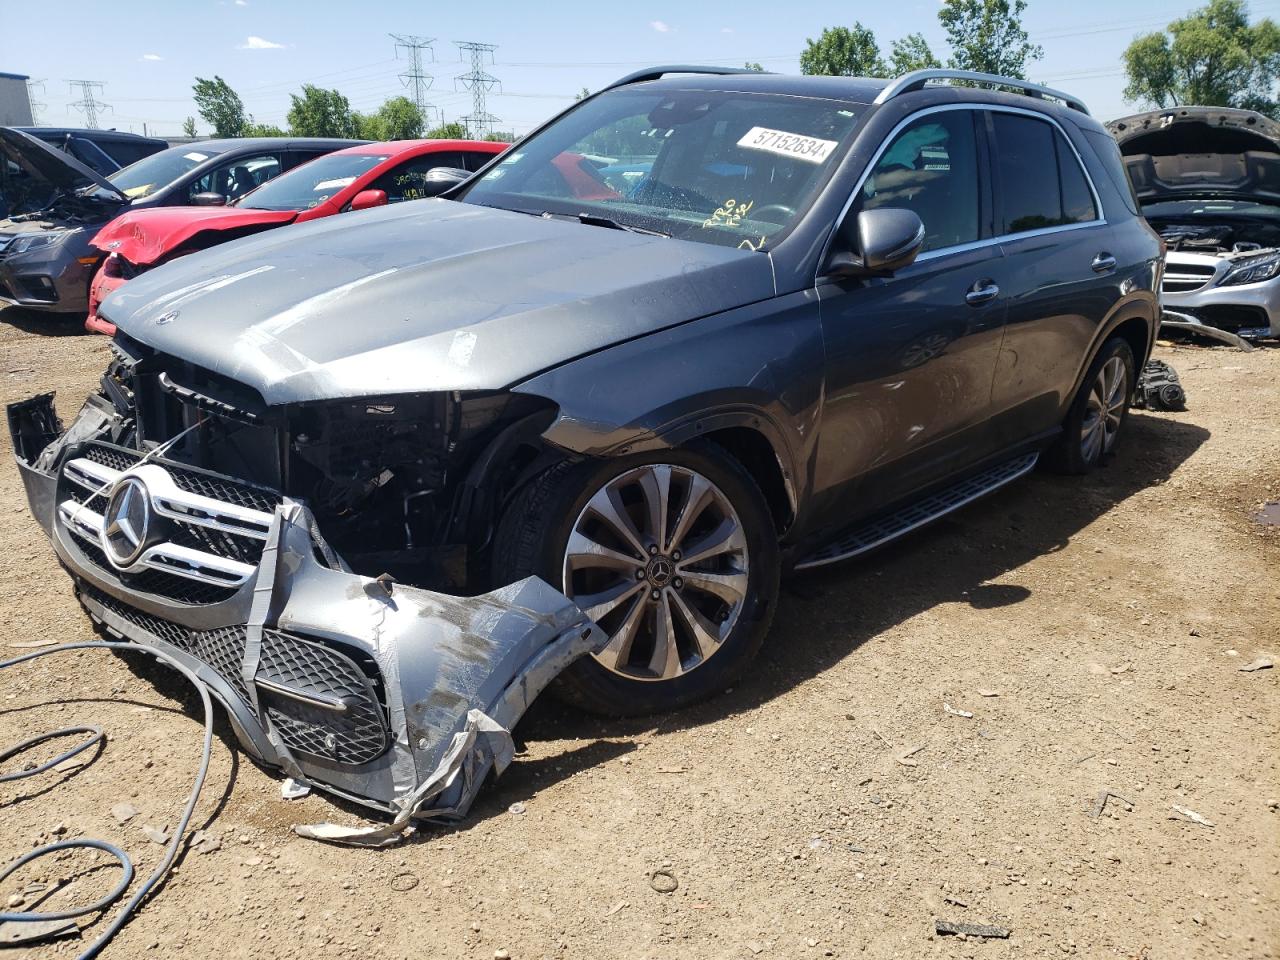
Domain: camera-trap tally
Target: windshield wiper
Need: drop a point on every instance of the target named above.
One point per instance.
(595, 220)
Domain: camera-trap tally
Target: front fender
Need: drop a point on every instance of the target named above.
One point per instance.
(758, 367)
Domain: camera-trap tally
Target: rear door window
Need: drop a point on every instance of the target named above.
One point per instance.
(1039, 181)
(930, 167)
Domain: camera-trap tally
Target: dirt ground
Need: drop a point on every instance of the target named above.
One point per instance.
(1094, 628)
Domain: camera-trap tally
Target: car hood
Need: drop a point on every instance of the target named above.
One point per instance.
(144, 236)
(56, 168)
(1203, 152)
(422, 296)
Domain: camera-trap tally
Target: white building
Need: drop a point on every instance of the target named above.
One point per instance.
(15, 101)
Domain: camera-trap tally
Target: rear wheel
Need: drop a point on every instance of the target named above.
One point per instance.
(1099, 411)
(673, 554)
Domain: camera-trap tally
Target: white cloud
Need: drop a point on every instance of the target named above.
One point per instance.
(726, 29)
(660, 26)
(151, 56)
(258, 43)
(242, 3)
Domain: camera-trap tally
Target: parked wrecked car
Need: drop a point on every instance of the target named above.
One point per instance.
(356, 178)
(46, 262)
(1208, 179)
(430, 442)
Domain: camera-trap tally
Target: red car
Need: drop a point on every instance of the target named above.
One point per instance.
(352, 179)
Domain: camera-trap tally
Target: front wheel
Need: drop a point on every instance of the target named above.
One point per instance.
(673, 554)
(1099, 411)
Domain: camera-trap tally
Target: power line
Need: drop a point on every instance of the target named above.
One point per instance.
(480, 121)
(37, 106)
(88, 104)
(415, 76)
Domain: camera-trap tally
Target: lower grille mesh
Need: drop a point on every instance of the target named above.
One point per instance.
(357, 736)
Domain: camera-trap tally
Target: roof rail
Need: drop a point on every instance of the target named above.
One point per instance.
(916, 79)
(654, 73)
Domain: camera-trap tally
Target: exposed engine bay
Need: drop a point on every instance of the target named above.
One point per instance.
(405, 487)
(1213, 233)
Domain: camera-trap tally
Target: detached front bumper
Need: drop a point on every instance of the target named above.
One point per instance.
(361, 688)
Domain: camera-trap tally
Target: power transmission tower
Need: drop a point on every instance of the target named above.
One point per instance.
(37, 106)
(87, 104)
(415, 76)
(480, 121)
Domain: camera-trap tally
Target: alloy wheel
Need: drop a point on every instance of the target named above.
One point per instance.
(658, 558)
(1104, 410)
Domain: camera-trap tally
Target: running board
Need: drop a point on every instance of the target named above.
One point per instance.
(872, 534)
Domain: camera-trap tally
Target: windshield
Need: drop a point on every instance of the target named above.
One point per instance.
(312, 183)
(148, 175)
(735, 169)
(1209, 208)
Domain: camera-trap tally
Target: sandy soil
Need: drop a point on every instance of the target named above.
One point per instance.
(1110, 615)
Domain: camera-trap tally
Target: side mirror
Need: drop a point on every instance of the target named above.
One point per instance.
(369, 198)
(442, 179)
(888, 238)
(209, 199)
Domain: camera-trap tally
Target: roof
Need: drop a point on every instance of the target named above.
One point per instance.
(850, 89)
(14, 76)
(261, 143)
(87, 133)
(396, 147)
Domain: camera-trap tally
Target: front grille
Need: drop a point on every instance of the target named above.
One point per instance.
(306, 668)
(1231, 316)
(1186, 277)
(203, 552)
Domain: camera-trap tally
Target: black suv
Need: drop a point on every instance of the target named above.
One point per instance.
(702, 328)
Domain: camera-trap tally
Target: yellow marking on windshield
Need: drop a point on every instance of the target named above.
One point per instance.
(728, 214)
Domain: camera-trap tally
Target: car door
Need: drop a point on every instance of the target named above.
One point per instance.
(407, 181)
(910, 358)
(1058, 271)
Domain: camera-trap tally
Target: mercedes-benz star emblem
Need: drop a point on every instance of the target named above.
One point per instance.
(126, 521)
(164, 318)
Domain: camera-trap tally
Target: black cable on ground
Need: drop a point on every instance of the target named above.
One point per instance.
(171, 851)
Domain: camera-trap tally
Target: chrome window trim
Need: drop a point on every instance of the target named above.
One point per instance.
(1100, 220)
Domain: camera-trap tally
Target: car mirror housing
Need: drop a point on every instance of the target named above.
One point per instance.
(888, 239)
(369, 198)
(209, 199)
(441, 179)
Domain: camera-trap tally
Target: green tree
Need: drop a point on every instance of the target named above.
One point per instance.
(987, 36)
(1211, 57)
(911, 53)
(253, 129)
(321, 113)
(448, 131)
(843, 52)
(582, 94)
(189, 127)
(220, 106)
(396, 119)
(753, 67)
(501, 136)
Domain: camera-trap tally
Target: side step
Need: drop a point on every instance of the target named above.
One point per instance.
(873, 533)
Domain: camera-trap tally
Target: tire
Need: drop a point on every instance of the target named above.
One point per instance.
(714, 638)
(1087, 441)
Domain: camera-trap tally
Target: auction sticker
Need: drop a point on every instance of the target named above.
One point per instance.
(810, 149)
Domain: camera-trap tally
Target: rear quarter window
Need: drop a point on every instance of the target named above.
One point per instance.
(1108, 153)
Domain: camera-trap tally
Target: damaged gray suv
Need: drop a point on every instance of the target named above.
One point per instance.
(371, 473)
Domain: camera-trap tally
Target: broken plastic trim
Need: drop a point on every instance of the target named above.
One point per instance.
(455, 673)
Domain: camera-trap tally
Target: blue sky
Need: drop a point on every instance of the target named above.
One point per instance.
(148, 51)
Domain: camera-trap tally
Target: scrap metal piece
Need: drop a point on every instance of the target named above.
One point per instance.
(15, 934)
(948, 928)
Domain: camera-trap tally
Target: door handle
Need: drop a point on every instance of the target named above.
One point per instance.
(1103, 262)
(983, 291)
